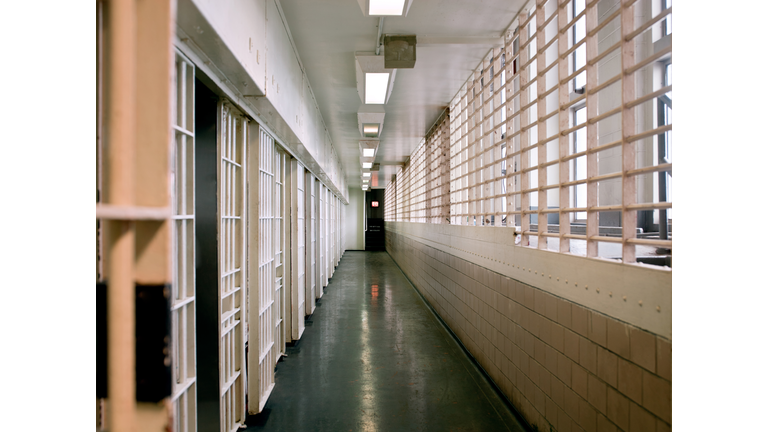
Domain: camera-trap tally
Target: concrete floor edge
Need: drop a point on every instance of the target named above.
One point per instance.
(474, 361)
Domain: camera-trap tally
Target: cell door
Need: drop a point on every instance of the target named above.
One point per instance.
(281, 159)
(183, 358)
(298, 249)
(321, 281)
(311, 244)
(262, 339)
(232, 138)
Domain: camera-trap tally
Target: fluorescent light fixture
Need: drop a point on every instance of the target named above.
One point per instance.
(367, 165)
(374, 83)
(366, 174)
(376, 87)
(370, 120)
(368, 150)
(386, 7)
(371, 130)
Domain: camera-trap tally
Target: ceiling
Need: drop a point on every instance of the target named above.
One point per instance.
(452, 36)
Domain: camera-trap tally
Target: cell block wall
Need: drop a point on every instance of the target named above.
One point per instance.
(563, 366)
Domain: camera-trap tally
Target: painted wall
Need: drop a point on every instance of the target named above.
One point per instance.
(353, 234)
(249, 45)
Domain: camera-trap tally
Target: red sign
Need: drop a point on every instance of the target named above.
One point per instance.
(374, 203)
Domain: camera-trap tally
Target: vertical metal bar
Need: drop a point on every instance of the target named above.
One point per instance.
(661, 119)
(628, 125)
(525, 220)
(541, 108)
(121, 362)
(591, 18)
(564, 117)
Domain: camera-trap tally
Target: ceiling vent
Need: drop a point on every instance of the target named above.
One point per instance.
(399, 51)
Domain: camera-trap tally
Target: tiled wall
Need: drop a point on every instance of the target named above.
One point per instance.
(563, 366)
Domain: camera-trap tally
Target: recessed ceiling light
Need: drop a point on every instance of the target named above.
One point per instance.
(369, 152)
(366, 174)
(386, 7)
(376, 87)
(371, 130)
(367, 165)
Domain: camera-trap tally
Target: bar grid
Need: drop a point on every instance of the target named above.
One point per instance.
(232, 133)
(563, 134)
(183, 355)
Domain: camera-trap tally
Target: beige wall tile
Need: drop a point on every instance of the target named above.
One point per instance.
(564, 313)
(529, 297)
(661, 426)
(596, 392)
(617, 337)
(579, 320)
(540, 351)
(617, 408)
(587, 416)
(605, 425)
(545, 381)
(571, 403)
(579, 380)
(664, 358)
(597, 328)
(607, 366)
(551, 412)
(630, 380)
(657, 396)
(551, 359)
(640, 420)
(642, 348)
(588, 354)
(552, 303)
(545, 327)
(564, 367)
(556, 336)
(563, 421)
(557, 387)
(571, 344)
(540, 302)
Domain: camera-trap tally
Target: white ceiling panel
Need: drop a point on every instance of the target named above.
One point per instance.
(452, 36)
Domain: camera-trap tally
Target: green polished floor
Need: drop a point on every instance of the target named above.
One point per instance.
(376, 359)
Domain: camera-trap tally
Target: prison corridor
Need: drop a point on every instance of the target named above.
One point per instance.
(374, 357)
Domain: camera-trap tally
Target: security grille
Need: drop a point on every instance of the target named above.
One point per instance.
(321, 266)
(566, 125)
(311, 243)
(232, 133)
(184, 396)
(281, 161)
(268, 252)
(298, 289)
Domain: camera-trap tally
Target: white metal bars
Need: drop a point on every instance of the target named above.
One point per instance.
(280, 167)
(575, 148)
(311, 195)
(390, 202)
(298, 249)
(437, 177)
(418, 173)
(232, 136)
(183, 354)
(268, 237)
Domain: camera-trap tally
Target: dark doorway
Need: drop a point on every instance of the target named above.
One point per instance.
(374, 216)
(206, 257)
